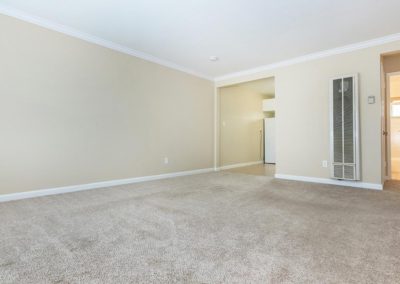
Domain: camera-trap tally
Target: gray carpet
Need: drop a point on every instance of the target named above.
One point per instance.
(211, 228)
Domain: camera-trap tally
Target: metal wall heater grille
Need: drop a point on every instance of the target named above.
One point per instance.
(344, 128)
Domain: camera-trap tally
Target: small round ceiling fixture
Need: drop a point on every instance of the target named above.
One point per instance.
(214, 58)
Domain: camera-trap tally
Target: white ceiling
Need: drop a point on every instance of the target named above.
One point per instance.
(244, 34)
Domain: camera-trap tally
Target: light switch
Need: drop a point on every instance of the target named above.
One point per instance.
(371, 100)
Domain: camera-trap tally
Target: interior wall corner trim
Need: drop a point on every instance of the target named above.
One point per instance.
(23, 16)
(311, 56)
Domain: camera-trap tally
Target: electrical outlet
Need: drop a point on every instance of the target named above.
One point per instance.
(166, 161)
(324, 164)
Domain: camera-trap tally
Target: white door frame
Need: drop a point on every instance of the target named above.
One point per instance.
(388, 121)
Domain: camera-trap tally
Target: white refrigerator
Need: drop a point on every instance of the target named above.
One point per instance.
(269, 140)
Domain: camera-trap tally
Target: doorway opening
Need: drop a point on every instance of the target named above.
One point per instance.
(390, 82)
(393, 93)
(246, 125)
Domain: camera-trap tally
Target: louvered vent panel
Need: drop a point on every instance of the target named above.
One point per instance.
(344, 129)
(337, 121)
(348, 117)
(338, 171)
(348, 172)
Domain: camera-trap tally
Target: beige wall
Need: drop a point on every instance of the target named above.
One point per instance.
(241, 120)
(302, 111)
(72, 113)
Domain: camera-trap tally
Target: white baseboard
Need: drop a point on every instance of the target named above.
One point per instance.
(74, 188)
(359, 184)
(239, 165)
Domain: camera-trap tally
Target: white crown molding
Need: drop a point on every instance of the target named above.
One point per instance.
(312, 56)
(12, 12)
(365, 185)
(89, 186)
(239, 165)
(15, 13)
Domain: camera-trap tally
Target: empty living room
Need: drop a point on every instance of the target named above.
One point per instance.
(226, 141)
